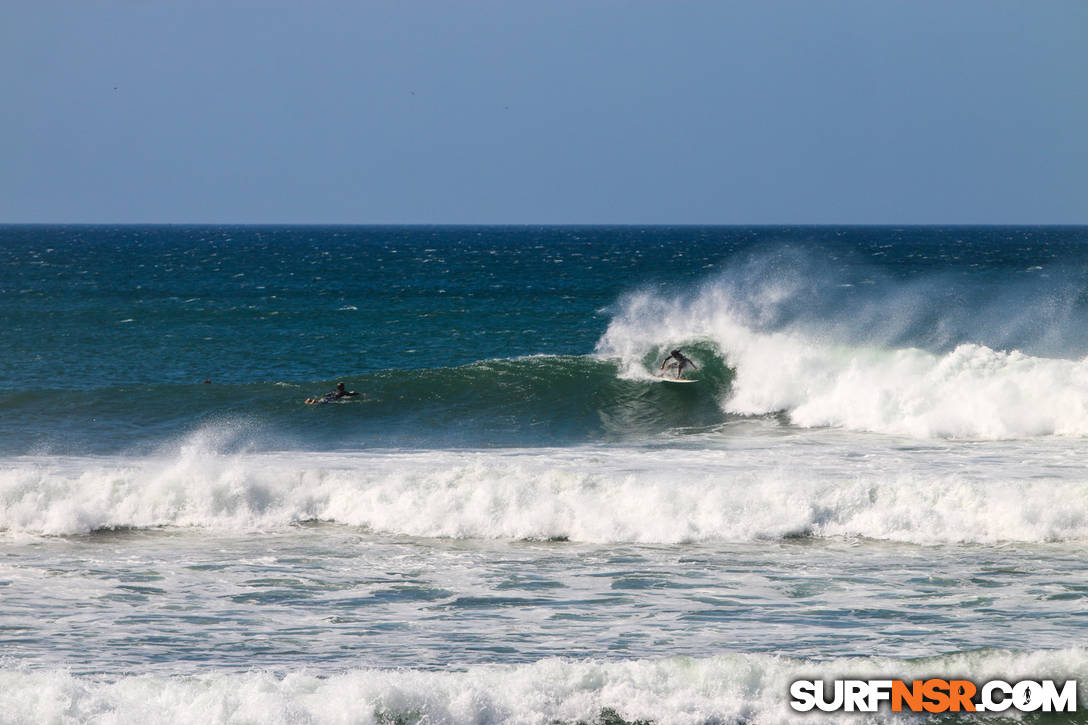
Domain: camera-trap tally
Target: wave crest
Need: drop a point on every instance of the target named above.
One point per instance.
(581, 494)
(969, 392)
(729, 688)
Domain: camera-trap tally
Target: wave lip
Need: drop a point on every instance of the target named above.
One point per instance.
(523, 401)
(729, 688)
(821, 376)
(588, 494)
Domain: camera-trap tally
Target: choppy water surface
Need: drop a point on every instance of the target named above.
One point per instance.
(880, 471)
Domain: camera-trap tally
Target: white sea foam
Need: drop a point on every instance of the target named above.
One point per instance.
(969, 392)
(730, 688)
(757, 488)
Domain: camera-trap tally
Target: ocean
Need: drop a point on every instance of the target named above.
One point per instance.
(881, 471)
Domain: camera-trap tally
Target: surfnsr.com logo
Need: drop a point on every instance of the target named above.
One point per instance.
(934, 695)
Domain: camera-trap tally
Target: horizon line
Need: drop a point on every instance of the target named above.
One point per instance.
(537, 224)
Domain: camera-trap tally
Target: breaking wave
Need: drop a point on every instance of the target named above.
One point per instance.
(730, 688)
(891, 362)
(591, 494)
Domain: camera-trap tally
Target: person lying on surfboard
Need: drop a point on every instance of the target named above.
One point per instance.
(340, 392)
(679, 362)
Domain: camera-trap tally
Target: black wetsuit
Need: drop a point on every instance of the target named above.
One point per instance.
(679, 357)
(681, 361)
(335, 395)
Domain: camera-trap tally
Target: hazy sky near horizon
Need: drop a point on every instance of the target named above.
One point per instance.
(546, 112)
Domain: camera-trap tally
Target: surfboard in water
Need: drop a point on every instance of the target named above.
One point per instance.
(675, 380)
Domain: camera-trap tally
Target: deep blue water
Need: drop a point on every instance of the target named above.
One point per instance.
(880, 469)
(110, 332)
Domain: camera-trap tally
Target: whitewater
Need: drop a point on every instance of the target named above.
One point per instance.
(880, 472)
(888, 489)
(678, 690)
(827, 369)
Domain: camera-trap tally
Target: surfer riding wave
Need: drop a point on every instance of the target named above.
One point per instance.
(677, 361)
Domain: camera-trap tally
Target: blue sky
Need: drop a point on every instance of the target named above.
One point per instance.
(553, 111)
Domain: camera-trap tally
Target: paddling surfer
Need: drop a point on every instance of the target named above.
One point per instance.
(340, 392)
